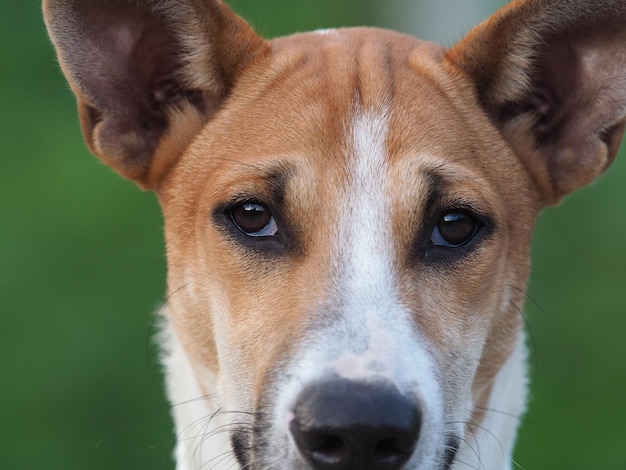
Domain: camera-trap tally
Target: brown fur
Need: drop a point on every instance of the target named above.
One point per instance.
(485, 124)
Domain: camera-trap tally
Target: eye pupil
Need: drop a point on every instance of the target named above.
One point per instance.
(254, 220)
(454, 229)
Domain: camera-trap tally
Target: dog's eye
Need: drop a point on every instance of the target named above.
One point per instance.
(454, 228)
(254, 219)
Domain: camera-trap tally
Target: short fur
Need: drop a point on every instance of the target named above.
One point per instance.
(358, 142)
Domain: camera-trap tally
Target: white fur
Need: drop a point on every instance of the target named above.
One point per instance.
(325, 31)
(491, 443)
(194, 413)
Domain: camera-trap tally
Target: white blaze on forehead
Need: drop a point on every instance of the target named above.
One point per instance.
(377, 328)
(370, 335)
(326, 31)
(364, 254)
(367, 252)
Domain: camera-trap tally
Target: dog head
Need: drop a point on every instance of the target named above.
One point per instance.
(348, 212)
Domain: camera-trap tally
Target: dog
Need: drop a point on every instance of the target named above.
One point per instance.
(348, 216)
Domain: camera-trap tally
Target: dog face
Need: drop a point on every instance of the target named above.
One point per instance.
(344, 243)
(348, 213)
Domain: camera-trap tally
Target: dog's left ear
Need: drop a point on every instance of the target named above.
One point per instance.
(148, 74)
(551, 74)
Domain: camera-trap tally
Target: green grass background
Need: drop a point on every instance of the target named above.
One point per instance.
(82, 269)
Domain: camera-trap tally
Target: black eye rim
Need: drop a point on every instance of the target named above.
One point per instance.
(267, 230)
(285, 241)
(439, 239)
(446, 255)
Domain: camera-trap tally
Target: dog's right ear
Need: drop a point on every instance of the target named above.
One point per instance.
(551, 74)
(148, 74)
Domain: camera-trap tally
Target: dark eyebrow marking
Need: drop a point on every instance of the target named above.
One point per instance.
(438, 197)
(266, 185)
(435, 183)
(259, 181)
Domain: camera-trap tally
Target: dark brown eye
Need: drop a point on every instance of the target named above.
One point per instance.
(254, 219)
(454, 228)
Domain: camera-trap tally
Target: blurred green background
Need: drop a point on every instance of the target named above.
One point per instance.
(82, 271)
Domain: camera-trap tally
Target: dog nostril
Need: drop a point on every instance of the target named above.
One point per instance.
(331, 450)
(328, 451)
(392, 451)
(344, 424)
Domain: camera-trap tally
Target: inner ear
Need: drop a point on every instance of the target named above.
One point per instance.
(131, 80)
(148, 74)
(555, 81)
(133, 56)
(579, 104)
(552, 78)
(569, 89)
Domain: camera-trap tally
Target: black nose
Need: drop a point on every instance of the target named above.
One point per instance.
(343, 424)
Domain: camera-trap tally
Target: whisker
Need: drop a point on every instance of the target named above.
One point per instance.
(205, 421)
(534, 302)
(476, 453)
(156, 315)
(204, 428)
(527, 421)
(472, 424)
(519, 417)
(533, 341)
(218, 459)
